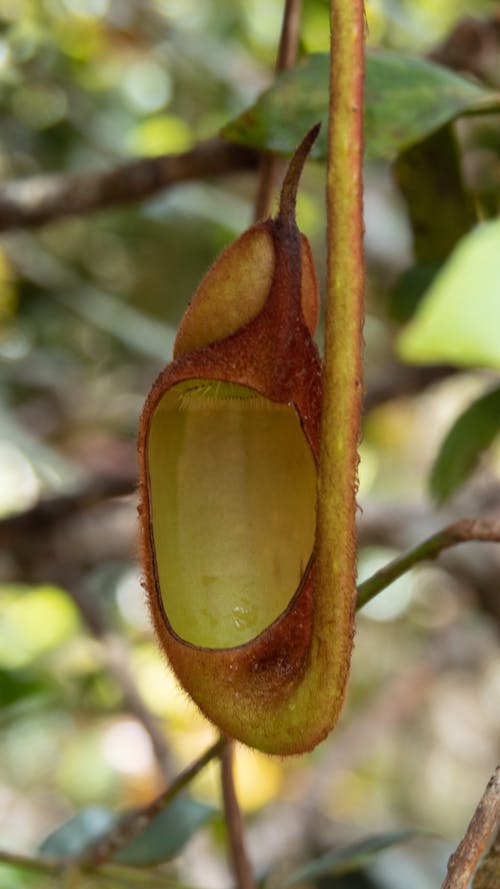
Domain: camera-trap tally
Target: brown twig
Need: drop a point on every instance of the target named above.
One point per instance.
(403, 380)
(271, 165)
(473, 46)
(234, 822)
(460, 532)
(51, 511)
(464, 860)
(40, 199)
(70, 874)
(134, 823)
(120, 835)
(488, 872)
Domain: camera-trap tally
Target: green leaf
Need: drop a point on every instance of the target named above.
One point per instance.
(17, 685)
(408, 291)
(161, 840)
(73, 837)
(458, 319)
(474, 431)
(343, 861)
(406, 100)
(168, 832)
(440, 209)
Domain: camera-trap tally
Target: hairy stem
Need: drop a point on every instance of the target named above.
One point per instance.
(460, 532)
(234, 821)
(342, 376)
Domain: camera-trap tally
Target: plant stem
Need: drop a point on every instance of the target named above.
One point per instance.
(342, 376)
(35, 201)
(463, 862)
(460, 532)
(130, 825)
(270, 165)
(234, 821)
(37, 865)
(488, 872)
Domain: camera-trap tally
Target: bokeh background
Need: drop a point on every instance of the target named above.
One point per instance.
(90, 716)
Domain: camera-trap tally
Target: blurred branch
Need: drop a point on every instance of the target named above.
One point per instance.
(33, 202)
(115, 660)
(395, 703)
(473, 45)
(38, 865)
(460, 532)
(463, 862)
(488, 872)
(52, 511)
(402, 380)
(16, 536)
(40, 199)
(234, 821)
(271, 165)
(60, 867)
(101, 309)
(122, 833)
(135, 822)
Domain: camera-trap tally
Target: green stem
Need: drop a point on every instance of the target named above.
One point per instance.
(460, 532)
(116, 872)
(37, 865)
(342, 377)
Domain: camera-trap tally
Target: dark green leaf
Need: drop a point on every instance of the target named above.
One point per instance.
(440, 209)
(474, 431)
(350, 858)
(17, 685)
(162, 839)
(409, 290)
(406, 100)
(73, 837)
(167, 833)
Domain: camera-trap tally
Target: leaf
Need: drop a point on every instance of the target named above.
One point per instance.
(167, 833)
(17, 685)
(440, 209)
(161, 840)
(474, 431)
(409, 289)
(76, 834)
(406, 100)
(343, 861)
(458, 319)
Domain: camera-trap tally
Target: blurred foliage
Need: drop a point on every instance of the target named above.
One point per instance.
(472, 433)
(88, 307)
(462, 299)
(406, 99)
